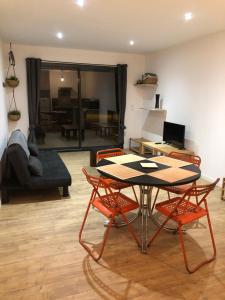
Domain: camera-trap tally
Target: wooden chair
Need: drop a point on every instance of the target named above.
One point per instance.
(110, 204)
(179, 189)
(114, 184)
(182, 211)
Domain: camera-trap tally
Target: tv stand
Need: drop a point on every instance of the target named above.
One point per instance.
(162, 148)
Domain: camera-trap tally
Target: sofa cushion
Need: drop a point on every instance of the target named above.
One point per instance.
(17, 137)
(35, 166)
(55, 172)
(33, 148)
(19, 163)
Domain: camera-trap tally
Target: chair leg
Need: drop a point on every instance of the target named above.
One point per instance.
(156, 196)
(135, 195)
(184, 251)
(130, 228)
(168, 195)
(158, 231)
(106, 235)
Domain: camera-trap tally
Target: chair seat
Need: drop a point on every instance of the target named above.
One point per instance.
(117, 185)
(179, 189)
(186, 211)
(105, 205)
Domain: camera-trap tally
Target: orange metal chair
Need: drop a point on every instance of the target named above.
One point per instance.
(114, 184)
(179, 189)
(182, 211)
(110, 204)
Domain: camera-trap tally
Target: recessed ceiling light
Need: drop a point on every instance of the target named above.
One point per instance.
(131, 43)
(188, 16)
(59, 35)
(80, 3)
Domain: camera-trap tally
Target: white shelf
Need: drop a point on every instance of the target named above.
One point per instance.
(146, 85)
(152, 109)
(157, 109)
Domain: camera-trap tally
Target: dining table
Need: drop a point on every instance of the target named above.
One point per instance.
(148, 172)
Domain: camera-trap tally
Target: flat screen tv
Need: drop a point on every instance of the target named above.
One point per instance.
(174, 134)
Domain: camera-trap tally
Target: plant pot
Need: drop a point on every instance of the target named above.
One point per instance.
(14, 117)
(12, 82)
(150, 80)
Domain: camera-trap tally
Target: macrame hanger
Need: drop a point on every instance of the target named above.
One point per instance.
(12, 61)
(13, 105)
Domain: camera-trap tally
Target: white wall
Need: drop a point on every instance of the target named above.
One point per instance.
(192, 85)
(136, 66)
(3, 112)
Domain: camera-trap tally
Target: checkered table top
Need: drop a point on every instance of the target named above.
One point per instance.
(169, 171)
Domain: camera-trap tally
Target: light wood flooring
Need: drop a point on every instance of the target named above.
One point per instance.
(40, 257)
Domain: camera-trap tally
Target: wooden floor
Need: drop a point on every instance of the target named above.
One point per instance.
(40, 257)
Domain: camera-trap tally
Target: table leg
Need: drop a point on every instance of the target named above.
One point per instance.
(145, 204)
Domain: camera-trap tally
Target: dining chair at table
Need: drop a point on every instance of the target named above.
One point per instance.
(110, 204)
(182, 211)
(114, 184)
(179, 189)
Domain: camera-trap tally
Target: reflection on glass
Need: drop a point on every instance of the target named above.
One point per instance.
(69, 117)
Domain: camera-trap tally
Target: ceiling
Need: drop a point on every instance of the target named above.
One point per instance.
(109, 25)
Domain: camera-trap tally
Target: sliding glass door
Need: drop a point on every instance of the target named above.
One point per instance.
(78, 106)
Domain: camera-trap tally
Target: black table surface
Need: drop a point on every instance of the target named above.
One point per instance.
(148, 180)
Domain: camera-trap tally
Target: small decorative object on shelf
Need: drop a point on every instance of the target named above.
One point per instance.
(157, 96)
(148, 78)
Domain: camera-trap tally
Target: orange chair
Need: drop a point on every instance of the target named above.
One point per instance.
(111, 204)
(182, 211)
(179, 189)
(114, 184)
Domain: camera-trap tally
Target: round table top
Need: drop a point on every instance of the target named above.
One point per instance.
(176, 173)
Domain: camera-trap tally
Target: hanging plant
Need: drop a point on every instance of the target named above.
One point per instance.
(11, 80)
(14, 114)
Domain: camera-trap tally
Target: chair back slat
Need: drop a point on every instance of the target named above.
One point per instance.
(100, 183)
(101, 154)
(194, 159)
(200, 191)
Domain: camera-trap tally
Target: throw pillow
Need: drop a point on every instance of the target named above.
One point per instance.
(35, 166)
(33, 148)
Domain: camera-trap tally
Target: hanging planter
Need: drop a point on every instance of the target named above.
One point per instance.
(14, 115)
(12, 81)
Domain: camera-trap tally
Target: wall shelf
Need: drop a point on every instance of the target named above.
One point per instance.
(151, 85)
(157, 109)
(152, 109)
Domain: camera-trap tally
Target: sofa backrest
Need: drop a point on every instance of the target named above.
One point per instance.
(19, 163)
(15, 160)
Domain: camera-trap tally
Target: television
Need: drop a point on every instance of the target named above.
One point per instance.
(174, 134)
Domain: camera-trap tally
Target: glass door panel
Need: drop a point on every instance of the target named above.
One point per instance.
(98, 109)
(58, 121)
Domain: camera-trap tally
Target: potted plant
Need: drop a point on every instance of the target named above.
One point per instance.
(12, 81)
(14, 115)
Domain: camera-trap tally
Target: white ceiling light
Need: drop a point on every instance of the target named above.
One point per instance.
(188, 16)
(131, 43)
(80, 3)
(62, 77)
(59, 35)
